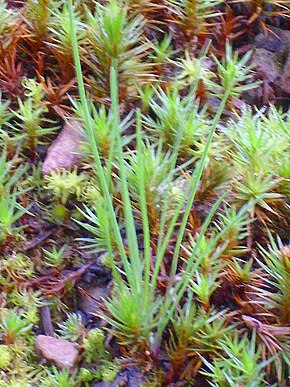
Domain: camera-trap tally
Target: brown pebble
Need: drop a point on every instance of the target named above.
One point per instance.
(65, 151)
(62, 353)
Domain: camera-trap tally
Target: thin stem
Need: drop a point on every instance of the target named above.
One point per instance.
(128, 212)
(144, 210)
(195, 184)
(96, 155)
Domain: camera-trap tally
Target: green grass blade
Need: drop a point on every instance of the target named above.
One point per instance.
(96, 155)
(145, 221)
(128, 212)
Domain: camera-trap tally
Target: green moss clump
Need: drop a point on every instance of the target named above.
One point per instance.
(5, 357)
(93, 345)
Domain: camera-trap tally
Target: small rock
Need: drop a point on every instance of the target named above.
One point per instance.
(89, 301)
(276, 40)
(62, 353)
(267, 65)
(64, 152)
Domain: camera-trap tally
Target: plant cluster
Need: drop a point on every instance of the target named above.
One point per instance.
(10, 209)
(182, 193)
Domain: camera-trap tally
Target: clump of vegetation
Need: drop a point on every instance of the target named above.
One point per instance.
(10, 210)
(166, 248)
(64, 183)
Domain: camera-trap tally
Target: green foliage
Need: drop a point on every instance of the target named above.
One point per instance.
(59, 378)
(59, 214)
(10, 212)
(194, 70)
(108, 372)
(115, 37)
(16, 267)
(162, 51)
(55, 257)
(5, 114)
(204, 286)
(18, 318)
(233, 72)
(132, 324)
(72, 329)
(27, 298)
(13, 325)
(86, 376)
(145, 94)
(38, 15)
(65, 183)
(242, 363)
(93, 345)
(98, 226)
(91, 193)
(61, 39)
(177, 120)
(196, 331)
(7, 16)
(5, 356)
(259, 155)
(10, 209)
(157, 182)
(103, 122)
(176, 201)
(260, 143)
(276, 292)
(225, 242)
(193, 15)
(32, 125)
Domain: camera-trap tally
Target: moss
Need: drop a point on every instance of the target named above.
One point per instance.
(186, 201)
(109, 371)
(93, 345)
(5, 357)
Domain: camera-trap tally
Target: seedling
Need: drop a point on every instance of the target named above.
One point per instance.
(55, 257)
